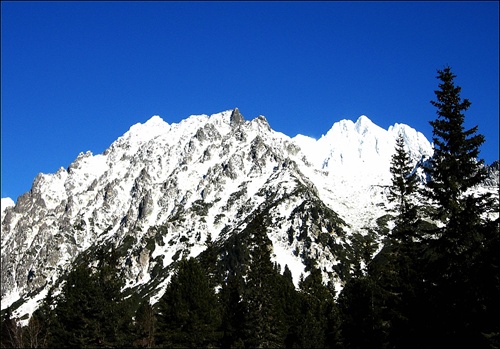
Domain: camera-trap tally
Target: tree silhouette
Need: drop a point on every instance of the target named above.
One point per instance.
(402, 191)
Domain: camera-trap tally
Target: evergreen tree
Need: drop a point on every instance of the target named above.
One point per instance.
(232, 269)
(360, 312)
(462, 241)
(402, 190)
(319, 316)
(455, 168)
(395, 272)
(144, 325)
(75, 324)
(289, 304)
(260, 305)
(233, 310)
(41, 323)
(91, 311)
(264, 321)
(392, 291)
(208, 260)
(189, 313)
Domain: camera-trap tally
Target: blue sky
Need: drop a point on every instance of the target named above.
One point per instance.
(76, 75)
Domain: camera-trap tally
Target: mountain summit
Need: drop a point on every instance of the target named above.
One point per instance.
(162, 191)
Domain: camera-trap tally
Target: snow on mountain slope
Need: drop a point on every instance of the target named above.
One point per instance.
(5, 203)
(161, 189)
(361, 148)
(351, 165)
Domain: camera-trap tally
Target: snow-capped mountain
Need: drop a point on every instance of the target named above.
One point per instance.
(350, 148)
(161, 189)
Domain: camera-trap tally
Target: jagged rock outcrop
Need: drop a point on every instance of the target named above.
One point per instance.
(493, 175)
(236, 118)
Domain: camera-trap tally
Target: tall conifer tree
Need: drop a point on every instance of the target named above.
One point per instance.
(455, 167)
(460, 300)
(402, 190)
(264, 324)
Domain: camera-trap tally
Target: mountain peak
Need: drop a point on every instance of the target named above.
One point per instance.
(356, 147)
(363, 119)
(155, 120)
(236, 118)
(363, 124)
(148, 130)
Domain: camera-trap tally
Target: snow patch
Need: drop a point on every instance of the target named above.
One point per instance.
(6, 203)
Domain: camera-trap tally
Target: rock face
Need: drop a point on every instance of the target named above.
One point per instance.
(161, 189)
(236, 118)
(493, 175)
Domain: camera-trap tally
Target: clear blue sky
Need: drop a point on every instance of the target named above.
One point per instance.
(76, 75)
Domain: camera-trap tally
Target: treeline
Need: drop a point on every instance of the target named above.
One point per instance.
(256, 306)
(434, 284)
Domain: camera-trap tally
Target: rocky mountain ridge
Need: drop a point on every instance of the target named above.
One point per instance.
(160, 191)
